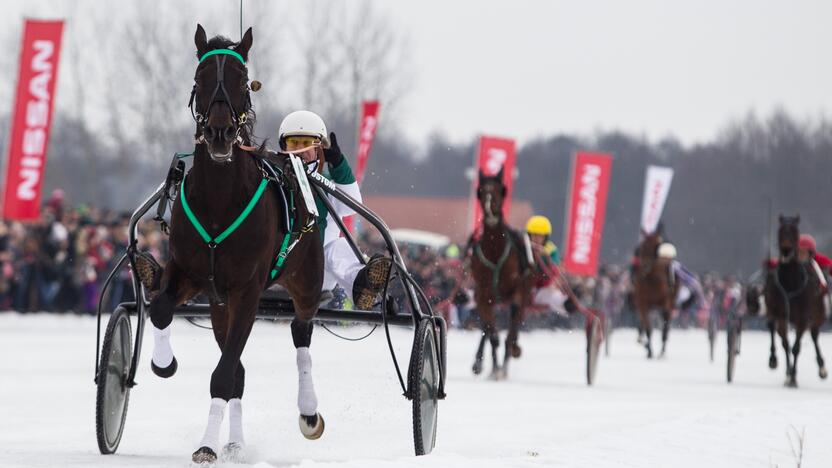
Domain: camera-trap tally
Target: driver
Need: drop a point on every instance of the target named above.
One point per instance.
(546, 259)
(304, 133)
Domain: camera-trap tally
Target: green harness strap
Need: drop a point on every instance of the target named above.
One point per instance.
(230, 229)
(495, 268)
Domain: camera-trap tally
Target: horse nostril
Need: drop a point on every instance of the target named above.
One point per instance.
(209, 133)
(228, 133)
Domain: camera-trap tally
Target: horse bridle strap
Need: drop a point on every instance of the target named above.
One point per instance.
(222, 52)
(220, 94)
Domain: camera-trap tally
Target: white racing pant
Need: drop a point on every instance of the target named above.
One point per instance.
(684, 295)
(551, 297)
(340, 266)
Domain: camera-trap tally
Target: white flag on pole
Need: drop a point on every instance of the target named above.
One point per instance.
(656, 187)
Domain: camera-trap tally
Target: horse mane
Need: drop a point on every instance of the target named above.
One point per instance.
(222, 42)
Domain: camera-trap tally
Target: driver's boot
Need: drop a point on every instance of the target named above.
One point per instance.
(149, 272)
(370, 281)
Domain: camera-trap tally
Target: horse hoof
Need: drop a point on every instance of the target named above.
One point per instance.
(516, 351)
(204, 455)
(823, 374)
(772, 362)
(164, 372)
(312, 427)
(477, 367)
(233, 452)
(497, 374)
(791, 383)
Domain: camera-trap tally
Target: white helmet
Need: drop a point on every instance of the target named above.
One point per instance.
(667, 250)
(303, 123)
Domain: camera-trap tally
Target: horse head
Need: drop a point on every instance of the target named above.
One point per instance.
(788, 235)
(220, 99)
(491, 192)
(648, 249)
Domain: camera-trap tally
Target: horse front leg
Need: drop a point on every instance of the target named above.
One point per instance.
(226, 383)
(772, 359)
(477, 367)
(175, 288)
(512, 348)
(233, 450)
(783, 331)
(665, 330)
(488, 323)
(644, 317)
(798, 336)
(821, 365)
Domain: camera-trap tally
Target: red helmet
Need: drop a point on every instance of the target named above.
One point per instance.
(807, 242)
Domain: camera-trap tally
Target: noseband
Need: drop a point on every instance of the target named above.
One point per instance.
(219, 94)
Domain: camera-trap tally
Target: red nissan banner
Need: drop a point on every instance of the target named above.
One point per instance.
(366, 134)
(38, 73)
(587, 203)
(494, 154)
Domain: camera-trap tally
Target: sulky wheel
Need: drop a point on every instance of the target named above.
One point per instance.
(423, 387)
(594, 336)
(113, 393)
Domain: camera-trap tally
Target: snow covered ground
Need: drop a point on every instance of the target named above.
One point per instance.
(677, 412)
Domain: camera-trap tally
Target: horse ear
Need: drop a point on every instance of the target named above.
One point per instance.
(781, 219)
(500, 174)
(797, 219)
(481, 175)
(245, 44)
(643, 232)
(201, 41)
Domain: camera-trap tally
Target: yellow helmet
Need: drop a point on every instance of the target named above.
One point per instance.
(539, 225)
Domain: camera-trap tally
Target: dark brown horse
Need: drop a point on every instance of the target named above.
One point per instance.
(654, 288)
(793, 294)
(233, 271)
(500, 273)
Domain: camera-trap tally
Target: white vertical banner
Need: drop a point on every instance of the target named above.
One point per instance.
(656, 187)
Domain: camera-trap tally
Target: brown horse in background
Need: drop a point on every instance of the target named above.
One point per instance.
(654, 288)
(501, 274)
(793, 294)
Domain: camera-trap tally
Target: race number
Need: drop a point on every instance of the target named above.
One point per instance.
(305, 189)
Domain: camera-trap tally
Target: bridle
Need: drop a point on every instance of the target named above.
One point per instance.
(491, 219)
(220, 94)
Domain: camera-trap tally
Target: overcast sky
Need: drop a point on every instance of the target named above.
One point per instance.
(521, 68)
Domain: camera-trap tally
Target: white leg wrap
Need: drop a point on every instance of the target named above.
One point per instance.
(162, 352)
(211, 439)
(307, 401)
(235, 421)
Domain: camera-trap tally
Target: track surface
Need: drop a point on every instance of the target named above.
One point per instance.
(672, 412)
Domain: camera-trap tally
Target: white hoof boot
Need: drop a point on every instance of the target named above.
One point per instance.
(162, 362)
(823, 374)
(208, 447)
(312, 427)
(233, 452)
(307, 400)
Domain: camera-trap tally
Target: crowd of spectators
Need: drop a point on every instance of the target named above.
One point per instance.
(60, 262)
